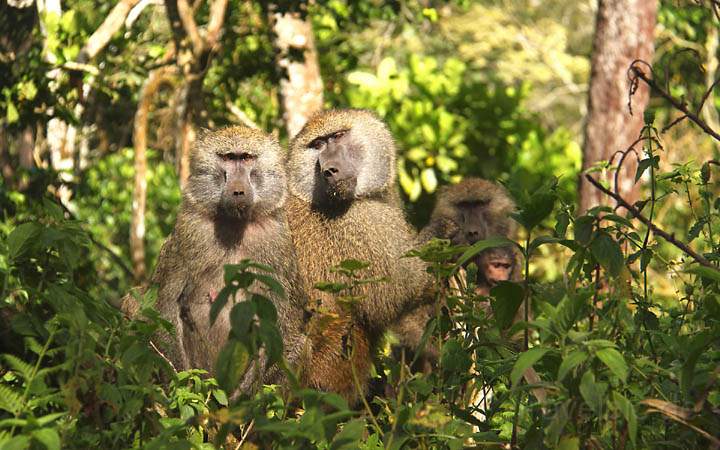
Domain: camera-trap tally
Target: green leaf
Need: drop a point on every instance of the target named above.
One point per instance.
(584, 229)
(11, 115)
(219, 303)
(506, 299)
(645, 165)
(231, 364)
(696, 347)
(264, 308)
(593, 392)
(16, 443)
(272, 339)
(628, 412)
(525, 361)
(350, 436)
(614, 361)
(48, 437)
(571, 361)
(428, 179)
(20, 237)
(241, 319)
(271, 283)
(608, 253)
(705, 272)
(220, 396)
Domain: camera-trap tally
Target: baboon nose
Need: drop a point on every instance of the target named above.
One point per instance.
(473, 235)
(330, 172)
(238, 193)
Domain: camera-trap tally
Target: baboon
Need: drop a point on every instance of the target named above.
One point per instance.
(467, 212)
(344, 205)
(232, 209)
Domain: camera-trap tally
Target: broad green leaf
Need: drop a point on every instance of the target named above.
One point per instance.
(220, 396)
(11, 115)
(350, 435)
(607, 252)
(571, 361)
(270, 336)
(20, 237)
(593, 392)
(231, 364)
(365, 79)
(614, 361)
(525, 361)
(241, 319)
(505, 300)
(219, 303)
(48, 437)
(628, 412)
(264, 308)
(271, 283)
(705, 272)
(428, 179)
(584, 229)
(645, 164)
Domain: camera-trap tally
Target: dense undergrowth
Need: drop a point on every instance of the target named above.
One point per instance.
(615, 366)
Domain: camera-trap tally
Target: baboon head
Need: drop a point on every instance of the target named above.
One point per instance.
(478, 209)
(340, 156)
(236, 173)
(496, 265)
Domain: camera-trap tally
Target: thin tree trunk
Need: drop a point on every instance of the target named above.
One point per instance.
(26, 148)
(194, 50)
(624, 32)
(137, 225)
(301, 87)
(712, 43)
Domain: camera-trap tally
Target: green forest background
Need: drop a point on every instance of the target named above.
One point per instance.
(626, 332)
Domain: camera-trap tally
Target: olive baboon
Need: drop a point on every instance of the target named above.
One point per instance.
(232, 209)
(467, 212)
(344, 205)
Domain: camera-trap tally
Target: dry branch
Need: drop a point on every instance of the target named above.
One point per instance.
(638, 215)
(112, 23)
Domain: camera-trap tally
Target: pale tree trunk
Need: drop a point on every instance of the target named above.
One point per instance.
(712, 43)
(137, 226)
(624, 32)
(194, 52)
(26, 148)
(301, 87)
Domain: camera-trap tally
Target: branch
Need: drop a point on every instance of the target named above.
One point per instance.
(215, 23)
(681, 106)
(188, 21)
(638, 215)
(240, 114)
(112, 23)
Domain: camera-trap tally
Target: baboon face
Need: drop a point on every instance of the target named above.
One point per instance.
(496, 264)
(236, 173)
(472, 220)
(340, 156)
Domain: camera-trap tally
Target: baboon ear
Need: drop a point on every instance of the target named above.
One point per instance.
(201, 132)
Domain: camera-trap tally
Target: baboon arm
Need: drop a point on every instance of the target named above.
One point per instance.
(174, 286)
(438, 227)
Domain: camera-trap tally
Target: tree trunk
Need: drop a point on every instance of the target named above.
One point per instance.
(194, 50)
(624, 32)
(26, 148)
(137, 226)
(301, 87)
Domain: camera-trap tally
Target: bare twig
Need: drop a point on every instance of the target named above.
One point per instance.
(638, 73)
(112, 23)
(638, 215)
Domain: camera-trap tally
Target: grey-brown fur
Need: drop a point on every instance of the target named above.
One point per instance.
(446, 222)
(190, 266)
(369, 226)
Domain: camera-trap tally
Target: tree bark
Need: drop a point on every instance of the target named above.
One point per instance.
(26, 148)
(624, 32)
(194, 52)
(137, 225)
(301, 87)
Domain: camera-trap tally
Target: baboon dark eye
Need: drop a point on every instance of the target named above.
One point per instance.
(237, 157)
(316, 144)
(246, 157)
(339, 134)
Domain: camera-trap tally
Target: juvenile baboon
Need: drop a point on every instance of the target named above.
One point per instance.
(344, 205)
(232, 209)
(467, 212)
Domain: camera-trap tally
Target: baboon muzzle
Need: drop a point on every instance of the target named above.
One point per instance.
(238, 193)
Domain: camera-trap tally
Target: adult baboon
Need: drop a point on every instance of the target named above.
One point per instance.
(344, 205)
(467, 212)
(232, 209)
